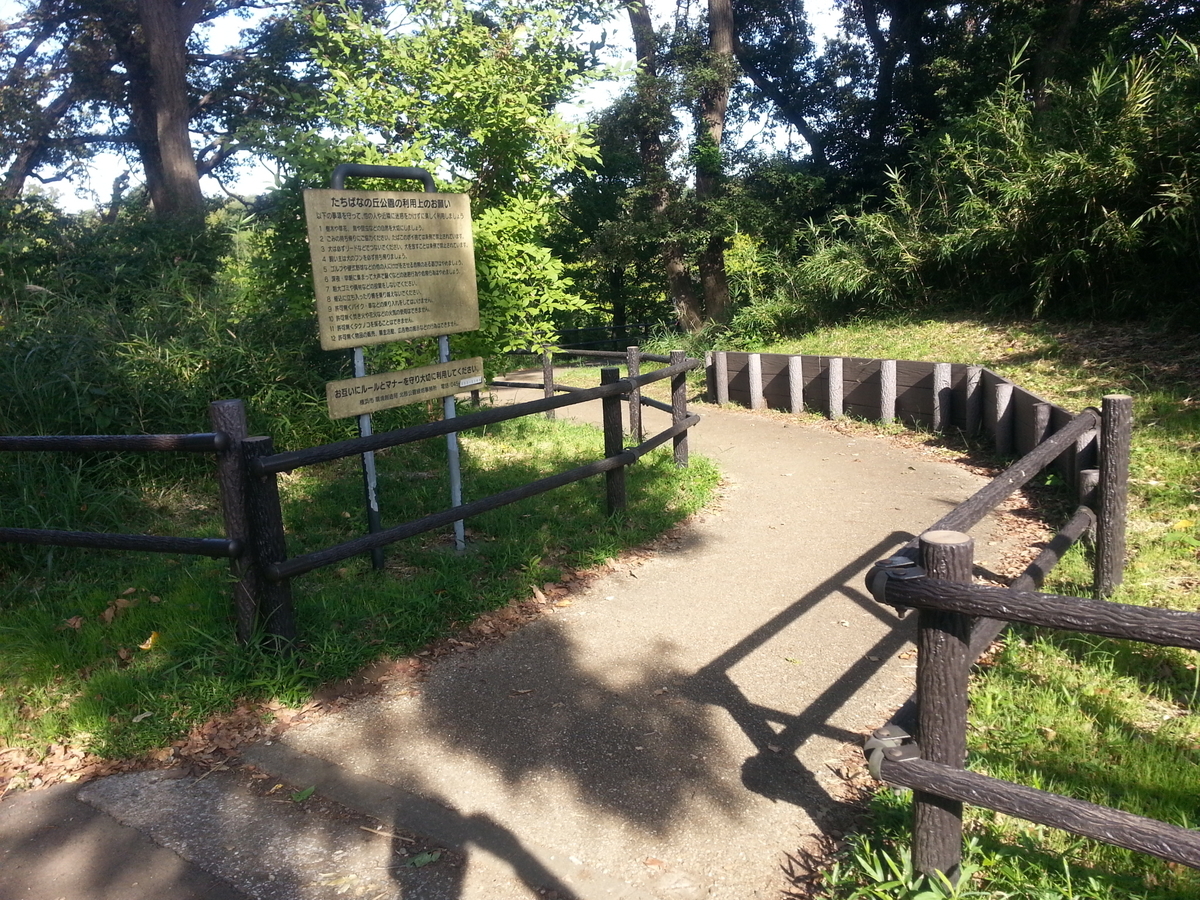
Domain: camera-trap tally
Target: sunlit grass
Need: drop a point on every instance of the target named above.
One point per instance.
(120, 653)
(1112, 722)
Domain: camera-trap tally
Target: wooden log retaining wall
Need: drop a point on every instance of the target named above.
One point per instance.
(973, 399)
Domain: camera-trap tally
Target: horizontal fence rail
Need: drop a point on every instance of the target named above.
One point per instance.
(1101, 823)
(294, 459)
(268, 548)
(1166, 627)
(300, 564)
(99, 540)
(207, 442)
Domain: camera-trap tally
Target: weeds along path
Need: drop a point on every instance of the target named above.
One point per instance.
(681, 726)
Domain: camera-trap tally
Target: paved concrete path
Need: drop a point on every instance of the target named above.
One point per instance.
(673, 733)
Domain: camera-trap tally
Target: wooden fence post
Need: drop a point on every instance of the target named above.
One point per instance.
(229, 416)
(835, 387)
(721, 362)
(614, 479)
(710, 377)
(942, 396)
(973, 399)
(754, 372)
(1116, 436)
(1002, 419)
(548, 379)
(679, 408)
(887, 390)
(268, 544)
(943, 641)
(795, 384)
(633, 362)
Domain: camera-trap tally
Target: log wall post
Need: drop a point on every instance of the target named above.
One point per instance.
(887, 390)
(835, 387)
(943, 641)
(1116, 435)
(1002, 419)
(268, 544)
(548, 378)
(633, 363)
(796, 384)
(710, 377)
(1089, 496)
(721, 363)
(229, 416)
(1041, 423)
(973, 400)
(679, 408)
(614, 479)
(942, 396)
(754, 371)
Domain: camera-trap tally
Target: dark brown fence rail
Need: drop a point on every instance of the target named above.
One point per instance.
(246, 476)
(932, 765)
(267, 547)
(957, 620)
(208, 442)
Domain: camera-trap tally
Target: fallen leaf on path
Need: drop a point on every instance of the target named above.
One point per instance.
(424, 859)
(301, 796)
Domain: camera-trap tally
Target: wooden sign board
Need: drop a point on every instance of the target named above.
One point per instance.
(358, 396)
(390, 265)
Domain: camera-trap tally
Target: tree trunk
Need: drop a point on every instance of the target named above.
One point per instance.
(175, 185)
(1046, 62)
(30, 154)
(714, 103)
(652, 112)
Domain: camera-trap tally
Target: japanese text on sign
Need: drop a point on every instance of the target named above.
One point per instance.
(390, 265)
(356, 396)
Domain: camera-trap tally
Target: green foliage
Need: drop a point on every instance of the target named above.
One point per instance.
(522, 289)
(469, 95)
(1087, 208)
(133, 328)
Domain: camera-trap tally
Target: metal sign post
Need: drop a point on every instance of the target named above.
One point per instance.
(403, 314)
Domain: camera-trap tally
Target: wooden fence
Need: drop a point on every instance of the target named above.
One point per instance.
(924, 746)
(932, 395)
(247, 468)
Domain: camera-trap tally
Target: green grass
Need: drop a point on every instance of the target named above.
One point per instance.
(73, 673)
(1111, 722)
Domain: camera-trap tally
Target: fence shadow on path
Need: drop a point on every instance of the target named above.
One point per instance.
(776, 773)
(636, 742)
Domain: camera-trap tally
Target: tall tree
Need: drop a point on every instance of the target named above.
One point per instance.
(655, 120)
(135, 76)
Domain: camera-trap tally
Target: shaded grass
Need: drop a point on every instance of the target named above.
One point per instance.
(79, 665)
